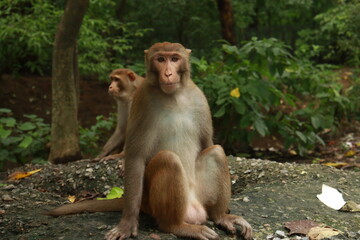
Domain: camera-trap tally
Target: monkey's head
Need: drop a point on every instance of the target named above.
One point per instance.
(168, 66)
(121, 86)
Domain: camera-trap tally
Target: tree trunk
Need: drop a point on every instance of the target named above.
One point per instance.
(227, 21)
(65, 85)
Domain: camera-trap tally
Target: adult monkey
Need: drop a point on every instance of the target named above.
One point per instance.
(173, 171)
(123, 84)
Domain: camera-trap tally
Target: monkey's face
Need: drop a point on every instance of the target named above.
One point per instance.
(119, 87)
(168, 63)
(168, 66)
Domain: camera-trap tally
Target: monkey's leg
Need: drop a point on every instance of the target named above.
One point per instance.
(214, 190)
(166, 197)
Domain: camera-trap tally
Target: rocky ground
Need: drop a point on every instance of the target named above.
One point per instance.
(268, 194)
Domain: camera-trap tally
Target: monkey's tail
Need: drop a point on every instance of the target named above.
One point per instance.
(108, 205)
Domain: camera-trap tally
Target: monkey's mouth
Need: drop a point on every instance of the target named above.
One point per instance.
(170, 84)
(169, 87)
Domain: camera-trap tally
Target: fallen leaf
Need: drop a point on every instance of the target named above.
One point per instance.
(350, 153)
(18, 175)
(300, 227)
(336, 164)
(321, 232)
(115, 192)
(293, 152)
(71, 199)
(350, 206)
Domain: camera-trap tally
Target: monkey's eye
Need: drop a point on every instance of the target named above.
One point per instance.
(160, 59)
(174, 59)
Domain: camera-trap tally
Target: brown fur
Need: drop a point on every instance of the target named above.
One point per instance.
(123, 84)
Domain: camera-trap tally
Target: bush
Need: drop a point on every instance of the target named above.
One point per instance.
(337, 39)
(23, 142)
(105, 43)
(261, 89)
(92, 138)
(27, 35)
(28, 32)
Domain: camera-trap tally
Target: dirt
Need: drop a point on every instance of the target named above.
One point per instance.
(32, 95)
(266, 193)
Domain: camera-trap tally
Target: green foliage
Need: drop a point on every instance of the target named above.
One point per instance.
(28, 30)
(22, 142)
(278, 94)
(195, 24)
(338, 36)
(105, 42)
(27, 35)
(25, 142)
(282, 20)
(91, 138)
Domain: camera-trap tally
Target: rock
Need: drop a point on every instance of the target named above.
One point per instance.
(6, 197)
(281, 234)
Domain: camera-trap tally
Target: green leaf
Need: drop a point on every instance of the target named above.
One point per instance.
(316, 121)
(220, 112)
(301, 136)
(230, 49)
(246, 121)
(26, 142)
(4, 133)
(260, 126)
(5, 110)
(240, 107)
(221, 101)
(9, 122)
(27, 126)
(115, 192)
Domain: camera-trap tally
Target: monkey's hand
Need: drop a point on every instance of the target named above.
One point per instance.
(228, 221)
(126, 228)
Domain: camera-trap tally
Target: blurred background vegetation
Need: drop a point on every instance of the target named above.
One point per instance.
(292, 72)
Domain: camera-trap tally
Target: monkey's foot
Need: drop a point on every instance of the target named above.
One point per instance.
(228, 221)
(122, 231)
(194, 231)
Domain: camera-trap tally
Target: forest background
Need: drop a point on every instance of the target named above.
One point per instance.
(283, 71)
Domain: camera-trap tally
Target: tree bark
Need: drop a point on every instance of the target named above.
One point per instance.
(227, 21)
(65, 85)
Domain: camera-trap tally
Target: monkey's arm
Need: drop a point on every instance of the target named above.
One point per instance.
(115, 144)
(128, 226)
(206, 130)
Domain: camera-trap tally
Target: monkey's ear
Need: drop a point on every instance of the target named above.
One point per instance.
(188, 51)
(131, 75)
(146, 51)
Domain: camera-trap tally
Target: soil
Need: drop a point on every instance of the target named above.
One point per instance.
(32, 95)
(266, 193)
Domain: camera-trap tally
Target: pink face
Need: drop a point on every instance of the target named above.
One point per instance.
(168, 65)
(119, 87)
